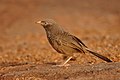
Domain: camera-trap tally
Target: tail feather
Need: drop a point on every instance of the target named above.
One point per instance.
(99, 56)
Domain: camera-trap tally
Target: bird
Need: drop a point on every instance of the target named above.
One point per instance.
(64, 42)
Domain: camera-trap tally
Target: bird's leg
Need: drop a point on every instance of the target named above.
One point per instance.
(66, 61)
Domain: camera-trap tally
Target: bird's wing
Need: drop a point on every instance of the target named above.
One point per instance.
(79, 41)
(71, 41)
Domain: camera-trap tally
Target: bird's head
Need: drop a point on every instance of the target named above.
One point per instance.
(47, 23)
(50, 26)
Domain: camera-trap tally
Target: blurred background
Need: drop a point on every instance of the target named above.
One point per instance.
(96, 22)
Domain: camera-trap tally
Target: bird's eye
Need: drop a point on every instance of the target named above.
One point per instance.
(45, 23)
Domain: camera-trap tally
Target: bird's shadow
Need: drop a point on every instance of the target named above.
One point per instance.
(51, 63)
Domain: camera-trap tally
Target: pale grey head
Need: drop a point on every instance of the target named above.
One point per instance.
(47, 23)
(50, 25)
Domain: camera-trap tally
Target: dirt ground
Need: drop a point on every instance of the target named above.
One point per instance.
(25, 53)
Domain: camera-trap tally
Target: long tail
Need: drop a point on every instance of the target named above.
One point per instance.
(99, 56)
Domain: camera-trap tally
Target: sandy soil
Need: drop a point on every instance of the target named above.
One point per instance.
(25, 53)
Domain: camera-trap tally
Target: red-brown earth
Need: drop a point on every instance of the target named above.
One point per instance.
(25, 53)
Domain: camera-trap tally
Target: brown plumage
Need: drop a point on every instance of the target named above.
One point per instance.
(64, 42)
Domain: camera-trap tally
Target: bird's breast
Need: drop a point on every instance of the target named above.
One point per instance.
(55, 43)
